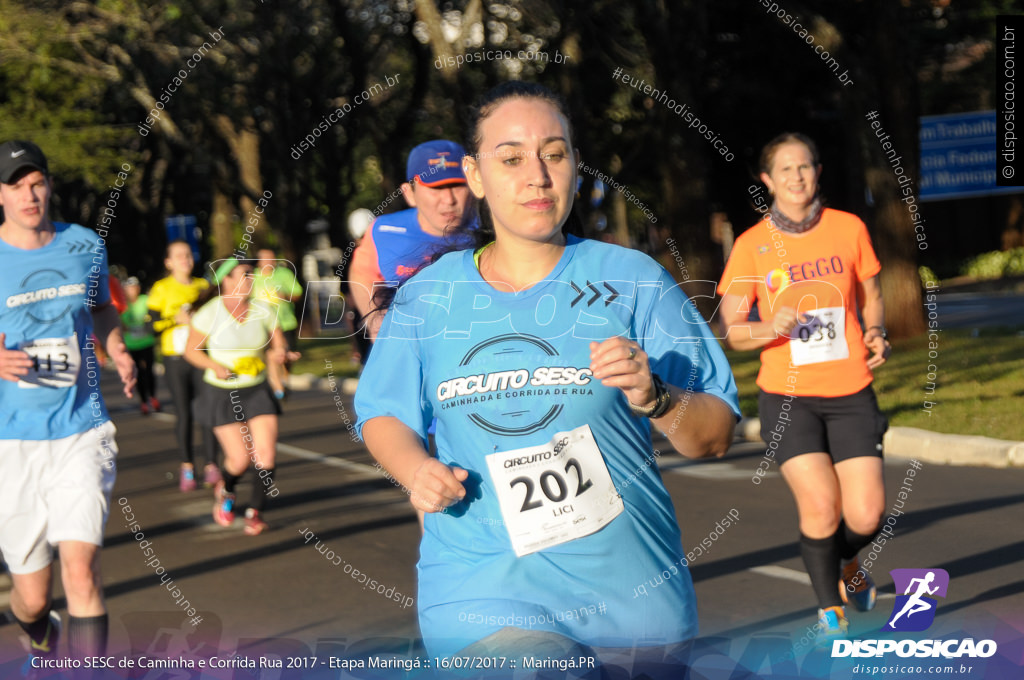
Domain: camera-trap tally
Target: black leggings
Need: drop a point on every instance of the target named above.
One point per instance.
(144, 365)
(184, 381)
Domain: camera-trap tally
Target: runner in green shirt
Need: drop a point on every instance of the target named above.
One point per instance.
(274, 281)
(139, 339)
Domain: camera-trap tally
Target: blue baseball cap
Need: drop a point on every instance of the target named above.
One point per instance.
(436, 163)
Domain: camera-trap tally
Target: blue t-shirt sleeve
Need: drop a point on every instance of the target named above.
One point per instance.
(391, 384)
(681, 346)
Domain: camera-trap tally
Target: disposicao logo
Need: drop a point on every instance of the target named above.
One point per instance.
(915, 611)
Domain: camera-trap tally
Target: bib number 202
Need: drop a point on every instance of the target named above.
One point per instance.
(549, 479)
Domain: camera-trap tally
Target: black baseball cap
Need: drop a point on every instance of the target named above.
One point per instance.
(17, 155)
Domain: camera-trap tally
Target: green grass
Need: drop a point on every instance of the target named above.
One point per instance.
(979, 383)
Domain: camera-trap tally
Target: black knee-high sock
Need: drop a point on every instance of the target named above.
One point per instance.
(87, 636)
(230, 480)
(821, 557)
(850, 542)
(39, 631)
(261, 486)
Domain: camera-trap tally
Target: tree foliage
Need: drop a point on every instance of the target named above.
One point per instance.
(80, 78)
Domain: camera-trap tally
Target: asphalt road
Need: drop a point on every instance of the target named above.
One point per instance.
(974, 310)
(278, 596)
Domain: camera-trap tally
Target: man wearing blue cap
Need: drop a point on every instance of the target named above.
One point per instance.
(399, 244)
(57, 466)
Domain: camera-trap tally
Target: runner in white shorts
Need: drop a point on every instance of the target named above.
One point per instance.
(57, 448)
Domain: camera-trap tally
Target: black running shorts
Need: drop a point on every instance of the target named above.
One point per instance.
(218, 406)
(843, 427)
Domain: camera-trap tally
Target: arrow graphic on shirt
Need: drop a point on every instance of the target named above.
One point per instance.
(614, 292)
(578, 297)
(595, 290)
(78, 246)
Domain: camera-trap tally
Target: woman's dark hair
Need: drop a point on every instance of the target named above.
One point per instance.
(485, 106)
(768, 152)
(484, 232)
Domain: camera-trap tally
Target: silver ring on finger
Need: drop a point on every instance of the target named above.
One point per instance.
(632, 353)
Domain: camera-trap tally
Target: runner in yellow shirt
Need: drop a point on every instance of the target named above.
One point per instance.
(171, 302)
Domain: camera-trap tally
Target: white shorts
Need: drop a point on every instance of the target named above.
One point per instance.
(53, 491)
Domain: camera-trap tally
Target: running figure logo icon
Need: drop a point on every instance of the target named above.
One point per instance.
(914, 611)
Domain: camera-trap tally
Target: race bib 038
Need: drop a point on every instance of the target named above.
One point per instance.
(821, 337)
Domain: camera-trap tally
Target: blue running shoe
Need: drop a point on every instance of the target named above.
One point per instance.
(832, 625)
(46, 649)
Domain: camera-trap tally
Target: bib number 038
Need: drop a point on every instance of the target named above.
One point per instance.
(807, 333)
(819, 337)
(554, 485)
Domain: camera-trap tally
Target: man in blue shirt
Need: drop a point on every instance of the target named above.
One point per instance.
(57, 442)
(397, 245)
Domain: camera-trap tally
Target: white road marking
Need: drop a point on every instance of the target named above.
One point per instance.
(722, 471)
(360, 470)
(783, 573)
(799, 576)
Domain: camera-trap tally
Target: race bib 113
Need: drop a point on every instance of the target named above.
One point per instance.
(55, 362)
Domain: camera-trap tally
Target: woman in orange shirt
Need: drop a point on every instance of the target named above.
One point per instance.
(810, 269)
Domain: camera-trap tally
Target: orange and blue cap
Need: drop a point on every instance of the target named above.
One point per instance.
(436, 163)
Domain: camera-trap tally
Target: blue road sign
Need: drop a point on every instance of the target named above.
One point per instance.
(183, 228)
(958, 156)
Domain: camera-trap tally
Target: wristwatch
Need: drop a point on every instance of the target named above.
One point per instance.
(662, 401)
(885, 333)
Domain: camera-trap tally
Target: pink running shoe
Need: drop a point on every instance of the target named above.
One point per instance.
(223, 506)
(254, 524)
(187, 480)
(211, 475)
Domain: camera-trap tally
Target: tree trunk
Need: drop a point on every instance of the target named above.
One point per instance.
(244, 143)
(1013, 235)
(896, 246)
(223, 240)
(426, 11)
(895, 74)
(683, 205)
